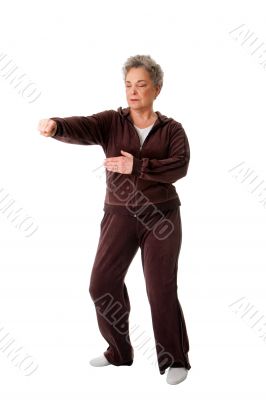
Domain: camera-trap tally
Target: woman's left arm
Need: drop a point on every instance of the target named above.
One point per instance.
(170, 169)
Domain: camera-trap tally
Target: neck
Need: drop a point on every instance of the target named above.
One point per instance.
(143, 114)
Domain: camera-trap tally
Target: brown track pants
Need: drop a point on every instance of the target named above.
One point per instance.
(159, 237)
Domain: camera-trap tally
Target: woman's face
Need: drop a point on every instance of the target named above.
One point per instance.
(140, 90)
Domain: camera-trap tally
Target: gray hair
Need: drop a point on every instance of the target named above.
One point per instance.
(154, 69)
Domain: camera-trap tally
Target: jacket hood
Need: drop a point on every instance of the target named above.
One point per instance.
(162, 119)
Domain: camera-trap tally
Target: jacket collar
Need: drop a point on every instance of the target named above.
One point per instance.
(125, 112)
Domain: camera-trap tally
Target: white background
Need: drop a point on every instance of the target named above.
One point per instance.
(214, 86)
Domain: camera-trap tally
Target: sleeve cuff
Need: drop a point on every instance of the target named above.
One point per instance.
(136, 169)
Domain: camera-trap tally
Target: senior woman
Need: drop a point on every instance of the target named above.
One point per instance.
(146, 152)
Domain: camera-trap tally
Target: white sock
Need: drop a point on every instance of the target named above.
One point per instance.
(176, 375)
(100, 361)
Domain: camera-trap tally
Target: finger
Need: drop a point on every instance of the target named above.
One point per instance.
(111, 163)
(113, 158)
(40, 125)
(112, 169)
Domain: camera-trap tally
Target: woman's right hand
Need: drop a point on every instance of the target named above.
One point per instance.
(47, 127)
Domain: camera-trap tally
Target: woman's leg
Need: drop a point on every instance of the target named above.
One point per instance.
(160, 246)
(117, 247)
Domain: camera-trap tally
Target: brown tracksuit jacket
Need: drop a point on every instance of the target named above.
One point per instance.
(161, 161)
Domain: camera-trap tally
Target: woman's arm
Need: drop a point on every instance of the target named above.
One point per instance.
(170, 169)
(93, 129)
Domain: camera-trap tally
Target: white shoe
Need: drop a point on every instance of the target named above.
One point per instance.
(99, 361)
(176, 375)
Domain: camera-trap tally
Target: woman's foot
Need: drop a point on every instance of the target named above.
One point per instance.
(176, 375)
(100, 361)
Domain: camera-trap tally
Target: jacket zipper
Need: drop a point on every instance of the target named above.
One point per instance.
(135, 177)
(140, 148)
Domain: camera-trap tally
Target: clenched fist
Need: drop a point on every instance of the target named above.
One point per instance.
(47, 127)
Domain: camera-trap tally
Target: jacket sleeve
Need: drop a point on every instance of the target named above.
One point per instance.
(93, 129)
(167, 170)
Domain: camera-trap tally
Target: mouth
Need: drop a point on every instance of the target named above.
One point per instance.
(134, 100)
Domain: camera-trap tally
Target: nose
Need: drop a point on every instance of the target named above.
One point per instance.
(133, 90)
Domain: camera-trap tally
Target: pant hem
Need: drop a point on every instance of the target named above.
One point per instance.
(117, 364)
(176, 364)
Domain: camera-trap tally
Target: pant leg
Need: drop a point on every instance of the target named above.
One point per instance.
(160, 246)
(117, 246)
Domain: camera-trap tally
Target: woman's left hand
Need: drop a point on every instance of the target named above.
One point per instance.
(122, 164)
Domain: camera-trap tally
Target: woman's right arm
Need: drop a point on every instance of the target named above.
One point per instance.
(93, 129)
